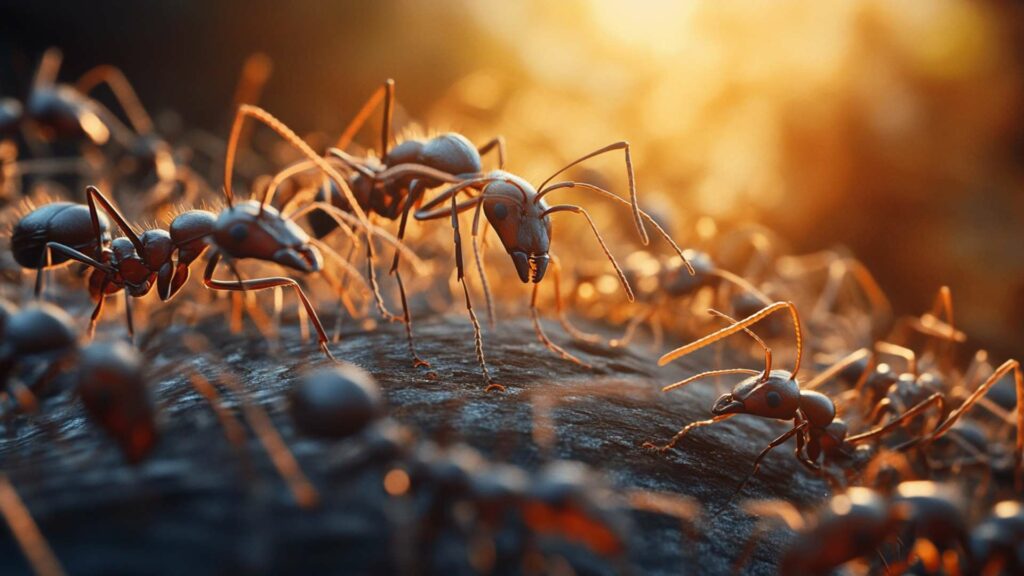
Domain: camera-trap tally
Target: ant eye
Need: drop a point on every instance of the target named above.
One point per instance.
(500, 211)
(774, 399)
(239, 232)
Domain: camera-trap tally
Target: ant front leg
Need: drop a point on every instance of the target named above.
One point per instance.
(563, 318)
(682, 433)
(799, 428)
(478, 339)
(69, 252)
(535, 315)
(263, 284)
(416, 191)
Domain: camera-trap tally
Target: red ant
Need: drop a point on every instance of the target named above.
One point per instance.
(517, 212)
(855, 524)
(774, 393)
(246, 230)
(392, 185)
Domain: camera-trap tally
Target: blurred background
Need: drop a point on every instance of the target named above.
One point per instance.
(892, 128)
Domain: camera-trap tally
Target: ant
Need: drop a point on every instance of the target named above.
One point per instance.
(522, 220)
(855, 524)
(391, 185)
(775, 393)
(335, 402)
(39, 347)
(244, 230)
(57, 111)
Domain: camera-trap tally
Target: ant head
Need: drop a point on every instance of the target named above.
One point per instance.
(10, 116)
(520, 224)
(64, 113)
(113, 389)
(244, 231)
(774, 396)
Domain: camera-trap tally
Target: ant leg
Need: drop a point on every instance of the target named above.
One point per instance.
(682, 433)
(634, 323)
(901, 352)
(1003, 370)
(25, 530)
(742, 324)
(461, 273)
(263, 427)
(129, 321)
(417, 362)
(123, 92)
(629, 174)
(498, 144)
(600, 240)
(263, 284)
(535, 315)
(93, 195)
(563, 318)
(292, 138)
(70, 253)
(371, 272)
(98, 310)
(491, 319)
(385, 93)
(938, 399)
(837, 367)
(797, 429)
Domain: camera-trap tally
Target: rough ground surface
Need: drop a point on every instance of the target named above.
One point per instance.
(192, 509)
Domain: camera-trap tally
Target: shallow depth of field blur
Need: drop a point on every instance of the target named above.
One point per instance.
(893, 128)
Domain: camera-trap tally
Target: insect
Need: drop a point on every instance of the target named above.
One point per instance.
(335, 402)
(775, 393)
(391, 185)
(522, 220)
(856, 524)
(56, 111)
(156, 257)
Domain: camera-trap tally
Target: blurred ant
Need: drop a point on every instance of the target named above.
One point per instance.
(57, 111)
(928, 516)
(773, 393)
(39, 348)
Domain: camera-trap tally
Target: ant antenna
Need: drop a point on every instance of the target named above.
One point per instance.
(730, 330)
(623, 145)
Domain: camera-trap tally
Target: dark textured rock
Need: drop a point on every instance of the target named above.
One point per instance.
(197, 506)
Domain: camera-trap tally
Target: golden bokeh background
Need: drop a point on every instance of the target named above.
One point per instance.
(893, 128)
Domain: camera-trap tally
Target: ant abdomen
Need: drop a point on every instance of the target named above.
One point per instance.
(62, 113)
(61, 222)
(113, 389)
(335, 402)
(451, 153)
